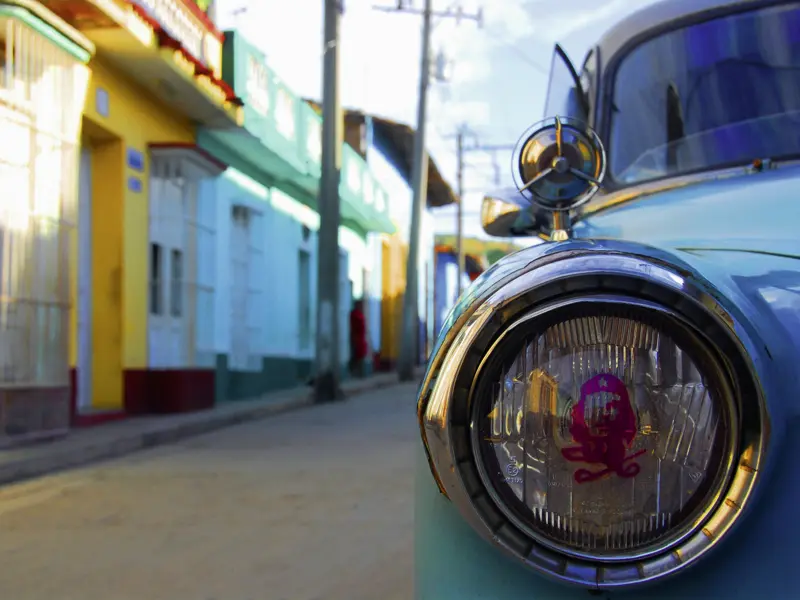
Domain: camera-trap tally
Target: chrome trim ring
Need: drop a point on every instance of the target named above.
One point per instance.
(446, 419)
(679, 331)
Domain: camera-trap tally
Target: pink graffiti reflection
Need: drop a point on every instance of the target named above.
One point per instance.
(607, 437)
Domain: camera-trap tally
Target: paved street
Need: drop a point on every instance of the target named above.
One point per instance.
(313, 504)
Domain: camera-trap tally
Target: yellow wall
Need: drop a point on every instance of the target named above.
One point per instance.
(120, 226)
(394, 284)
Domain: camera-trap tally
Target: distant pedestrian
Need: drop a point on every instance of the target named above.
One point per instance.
(358, 339)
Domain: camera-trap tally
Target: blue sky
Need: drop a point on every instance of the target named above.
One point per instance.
(498, 74)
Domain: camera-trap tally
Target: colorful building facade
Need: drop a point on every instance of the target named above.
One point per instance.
(389, 156)
(155, 77)
(266, 223)
(387, 148)
(160, 250)
(478, 255)
(43, 84)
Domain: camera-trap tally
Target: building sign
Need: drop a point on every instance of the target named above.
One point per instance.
(135, 184)
(354, 176)
(187, 28)
(135, 160)
(257, 87)
(369, 191)
(101, 102)
(285, 114)
(314, 141)
(380, 201)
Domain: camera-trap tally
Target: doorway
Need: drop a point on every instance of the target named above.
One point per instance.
(345, 306)
(167, 325)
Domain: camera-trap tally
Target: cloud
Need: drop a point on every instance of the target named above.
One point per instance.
(510, 19)
(556, 25)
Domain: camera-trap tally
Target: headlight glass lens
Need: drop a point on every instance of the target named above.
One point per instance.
(601, 435)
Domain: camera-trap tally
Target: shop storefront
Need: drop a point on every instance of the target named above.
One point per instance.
(43, 82)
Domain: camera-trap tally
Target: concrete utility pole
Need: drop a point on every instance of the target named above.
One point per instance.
(410, 329)
(328, 365)
(460, 213)
(410, 322)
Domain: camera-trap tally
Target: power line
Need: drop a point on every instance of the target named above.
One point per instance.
(497, 37)
(461, 136)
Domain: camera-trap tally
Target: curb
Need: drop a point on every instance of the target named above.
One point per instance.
(159, 434)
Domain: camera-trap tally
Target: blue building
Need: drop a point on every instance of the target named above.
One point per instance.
(387, 147)
(257, 256)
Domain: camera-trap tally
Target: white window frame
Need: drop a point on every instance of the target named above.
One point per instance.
(37, 227)
(186, 168)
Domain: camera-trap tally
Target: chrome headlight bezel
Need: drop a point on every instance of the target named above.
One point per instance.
(446, 411)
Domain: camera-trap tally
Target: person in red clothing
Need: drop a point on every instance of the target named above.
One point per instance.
(358, 339)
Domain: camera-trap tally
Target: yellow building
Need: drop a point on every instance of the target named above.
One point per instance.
(155, 77)
(393, 271)
(43, 80)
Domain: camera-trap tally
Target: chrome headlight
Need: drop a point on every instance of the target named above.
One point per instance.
(597, 419)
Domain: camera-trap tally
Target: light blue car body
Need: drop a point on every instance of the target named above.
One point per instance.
(741, 234)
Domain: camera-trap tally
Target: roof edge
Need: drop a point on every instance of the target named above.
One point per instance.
(400, 138)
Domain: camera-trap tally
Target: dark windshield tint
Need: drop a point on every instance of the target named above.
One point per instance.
(708, 95)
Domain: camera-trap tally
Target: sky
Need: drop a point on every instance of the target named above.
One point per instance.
(496, 74)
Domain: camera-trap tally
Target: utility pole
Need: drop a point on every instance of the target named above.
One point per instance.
(410, 322)
(461, 150)
(328, 365)
(460, 212)
(410, 328)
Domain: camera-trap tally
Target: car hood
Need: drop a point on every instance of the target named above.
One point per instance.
(755, 212)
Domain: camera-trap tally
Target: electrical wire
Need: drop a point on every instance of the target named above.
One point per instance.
(497, 37)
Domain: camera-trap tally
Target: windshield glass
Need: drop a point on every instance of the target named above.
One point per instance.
(718, 93)
(563, 98)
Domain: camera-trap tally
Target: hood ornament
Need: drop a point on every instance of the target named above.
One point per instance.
(558, 165)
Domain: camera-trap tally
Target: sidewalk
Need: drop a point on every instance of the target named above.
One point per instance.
(102, 442)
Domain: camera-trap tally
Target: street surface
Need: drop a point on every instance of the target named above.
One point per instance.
(313, 504)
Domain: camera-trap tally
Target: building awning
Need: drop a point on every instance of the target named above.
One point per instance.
(179, 68)
(473, 265)
(196, 160)
(396, 142)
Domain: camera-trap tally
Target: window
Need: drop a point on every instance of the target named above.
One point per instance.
(304, 298)
(709, 95)
(588, 83)
(563, 96)
(176, 282)
(205, 232)
(3, 73)
(285, 114)
(38, 148)
(156, 278)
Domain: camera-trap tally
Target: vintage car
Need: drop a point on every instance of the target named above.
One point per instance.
(612, 412)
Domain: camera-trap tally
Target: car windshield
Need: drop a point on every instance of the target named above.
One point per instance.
(714, 94)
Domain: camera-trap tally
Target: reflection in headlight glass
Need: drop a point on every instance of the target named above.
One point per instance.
(602, 435)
